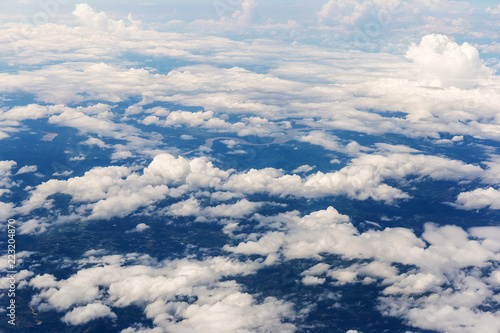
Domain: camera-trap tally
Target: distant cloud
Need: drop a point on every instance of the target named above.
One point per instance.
(445, 63)
(494, 11)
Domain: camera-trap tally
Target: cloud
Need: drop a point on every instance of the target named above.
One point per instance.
(303, 168)
(317, 269)
(479, 198)
(118, 191)
(351, 12)
(89, 312)
(445, 63)
(445, 266)
(327, 141)
(100, 21)
(140, 227)
(361, 179)
(187, 207)
(494, 11)
(245, 16)
(6, 173)
(197, 172)
(27, 169)
(237, 210)
(286, 90)
(106, 192)
(192, 207)
(312, 280)
(180, 295)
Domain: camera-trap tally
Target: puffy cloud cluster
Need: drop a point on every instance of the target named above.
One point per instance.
(95, 119)
(208, 120)
(281, 92)
(451, 275)
(350, 12)
(6, 174)
(89, 312)
(106, 192)
(6, 182)
(330, 142)
(192, 207)
(479, 198)
(178, 296)
(362, 179)
(328, 91)
(444, 63)
(118, 191)
(27, 169)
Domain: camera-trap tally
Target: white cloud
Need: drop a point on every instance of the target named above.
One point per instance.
(20, 258)
(95, 142)
(187, 207)
(211, 305)
(447, 263)
(6, 174)
(107, 192)
(312, 280)
(282, 92)
(303, 168)
(317, 269)
(118, 191)
(479, 198)
(89, 312)
(100, 21)
(224, 196)
(237, 210)
(361, 179)
(6, 210)
(494, 11)
(192, 207)
(325, 140)
(351, 12)
(141, 227)
(27, 169)
(445, 63)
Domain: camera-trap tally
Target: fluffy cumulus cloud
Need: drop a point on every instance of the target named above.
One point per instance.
(6, 175)
(141, 227)
(362, 179)
(445, 63)
(178, 296)
(439, 293)
(479, 198)
(27, 169)
(106, 192)
(89, 312)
